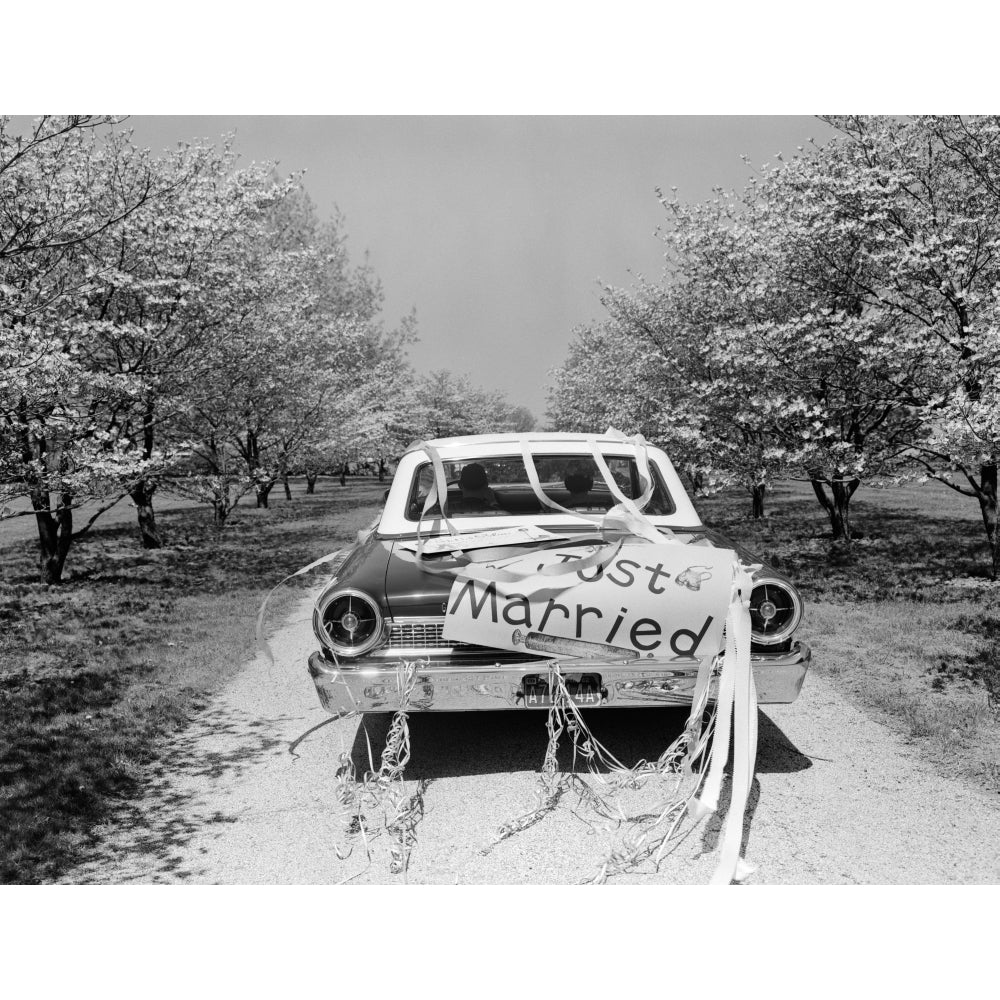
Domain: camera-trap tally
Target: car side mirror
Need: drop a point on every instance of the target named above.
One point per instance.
(385, 496)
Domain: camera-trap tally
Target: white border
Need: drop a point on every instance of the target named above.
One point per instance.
(519, 57)
(499, 942)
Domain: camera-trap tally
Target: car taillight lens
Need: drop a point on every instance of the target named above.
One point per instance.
(349, 622)
(775, 611)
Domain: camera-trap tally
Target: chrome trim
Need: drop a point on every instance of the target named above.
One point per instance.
(460, 684)
(417, 633)
(413, 636)
(773, 639)
(377, 637)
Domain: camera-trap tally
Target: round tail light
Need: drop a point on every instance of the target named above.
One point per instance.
(349, 622)
(775, 611)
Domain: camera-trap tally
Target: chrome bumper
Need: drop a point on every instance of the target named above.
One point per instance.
(456, 685)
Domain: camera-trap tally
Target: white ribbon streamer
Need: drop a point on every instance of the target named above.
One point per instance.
(262, 643)
(736, 714)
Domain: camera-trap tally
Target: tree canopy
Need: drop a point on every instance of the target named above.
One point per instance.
(836, 321)
(182, 322)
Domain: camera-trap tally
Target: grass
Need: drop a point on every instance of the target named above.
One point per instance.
(904, 619)
(93, 672)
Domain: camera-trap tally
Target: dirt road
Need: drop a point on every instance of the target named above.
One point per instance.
(247, 794)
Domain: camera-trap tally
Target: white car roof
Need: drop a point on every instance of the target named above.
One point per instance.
(541, 437)
(394, 521)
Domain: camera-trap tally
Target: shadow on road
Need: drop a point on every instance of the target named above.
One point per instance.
(711, 832)
(447, 745)
(148, 839)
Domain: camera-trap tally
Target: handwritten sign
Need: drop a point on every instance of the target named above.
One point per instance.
(650, 600)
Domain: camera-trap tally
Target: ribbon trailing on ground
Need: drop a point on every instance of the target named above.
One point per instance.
(379, 801)
(692, 784)
(733, 723)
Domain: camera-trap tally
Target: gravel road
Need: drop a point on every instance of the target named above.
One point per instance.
(247, 794)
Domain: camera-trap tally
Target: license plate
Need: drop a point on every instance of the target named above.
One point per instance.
(584, 690)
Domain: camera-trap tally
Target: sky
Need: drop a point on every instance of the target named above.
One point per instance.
(499, 231)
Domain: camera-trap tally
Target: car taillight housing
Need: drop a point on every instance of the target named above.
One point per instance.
(775, 611)
(348, 622)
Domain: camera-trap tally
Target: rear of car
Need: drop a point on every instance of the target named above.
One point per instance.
(382, 621)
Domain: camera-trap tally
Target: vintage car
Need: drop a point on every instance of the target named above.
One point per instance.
(386, 607)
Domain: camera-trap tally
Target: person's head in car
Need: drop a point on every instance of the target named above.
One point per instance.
(475, 485)
(579, 484)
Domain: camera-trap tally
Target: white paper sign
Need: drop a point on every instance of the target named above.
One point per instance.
(650, 600)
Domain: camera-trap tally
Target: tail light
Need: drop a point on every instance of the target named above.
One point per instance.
(775, 611)
(348, 622)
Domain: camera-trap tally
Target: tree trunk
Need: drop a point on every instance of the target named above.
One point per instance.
(343, 474)
(288, 489)
(987, 496)
(381, 470)
(222, 502)
(842, 493)
(250, 449)
(838, 504)
(311, 478)
(758, 500)
(55, 535)
(142, 497)
(49, 564)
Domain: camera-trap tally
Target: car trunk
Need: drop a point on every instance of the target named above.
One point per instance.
(412, 592)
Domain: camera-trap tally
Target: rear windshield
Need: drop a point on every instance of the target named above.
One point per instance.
(498, 486)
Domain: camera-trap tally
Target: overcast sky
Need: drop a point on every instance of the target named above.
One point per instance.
(498, 231)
